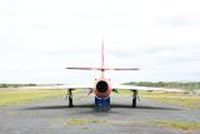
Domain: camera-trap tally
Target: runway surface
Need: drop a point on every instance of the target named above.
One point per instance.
(54, 117)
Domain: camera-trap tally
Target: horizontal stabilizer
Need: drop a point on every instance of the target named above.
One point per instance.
(82, 68)
(123, 69)
(102, 69)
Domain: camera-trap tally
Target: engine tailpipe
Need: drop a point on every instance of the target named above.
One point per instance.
(102, 89)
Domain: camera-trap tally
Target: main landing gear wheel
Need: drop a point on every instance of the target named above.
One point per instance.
(70, 98)
(134, 99)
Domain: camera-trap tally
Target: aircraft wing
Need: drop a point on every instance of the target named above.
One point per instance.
(75, 86)
(143, 88)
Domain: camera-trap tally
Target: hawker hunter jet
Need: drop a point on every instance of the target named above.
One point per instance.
(103, 87)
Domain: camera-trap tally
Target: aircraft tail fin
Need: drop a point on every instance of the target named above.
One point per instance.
(102, 54)
(103, 68)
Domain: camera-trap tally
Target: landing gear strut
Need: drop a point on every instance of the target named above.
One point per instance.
(134, 100)
(70, 98)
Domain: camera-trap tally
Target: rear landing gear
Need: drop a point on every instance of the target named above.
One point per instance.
(70, 98)
(134, 99)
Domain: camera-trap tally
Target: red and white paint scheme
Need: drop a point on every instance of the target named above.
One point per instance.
(103, 87)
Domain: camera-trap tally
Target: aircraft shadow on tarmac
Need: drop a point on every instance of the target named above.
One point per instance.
(113, 106)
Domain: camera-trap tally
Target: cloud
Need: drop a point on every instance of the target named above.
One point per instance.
(182, 21)
(39, 38)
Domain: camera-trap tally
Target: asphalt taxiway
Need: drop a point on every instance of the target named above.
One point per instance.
(54, 117)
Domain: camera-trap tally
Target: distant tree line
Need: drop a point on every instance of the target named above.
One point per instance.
(4, 85)
(179, 85)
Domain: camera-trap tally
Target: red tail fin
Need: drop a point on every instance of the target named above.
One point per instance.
(102, 54)
(102, 68)
(102, 59)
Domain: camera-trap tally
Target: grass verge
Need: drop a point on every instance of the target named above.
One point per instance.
(21, 97)
(185, 100)
(83, 122)
(182, 125)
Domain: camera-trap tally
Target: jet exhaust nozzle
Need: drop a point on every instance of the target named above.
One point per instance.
(102, 86)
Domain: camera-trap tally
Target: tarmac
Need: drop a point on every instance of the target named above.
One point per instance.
(54, 117)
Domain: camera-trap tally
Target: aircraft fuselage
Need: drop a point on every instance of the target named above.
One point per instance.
(102, 88)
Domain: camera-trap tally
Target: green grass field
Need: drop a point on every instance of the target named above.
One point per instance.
(27, 96)
(21, 97)
(182, 125)
(185, 100)
(84, 122)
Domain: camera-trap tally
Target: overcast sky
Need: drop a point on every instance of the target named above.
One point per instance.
(39, 38)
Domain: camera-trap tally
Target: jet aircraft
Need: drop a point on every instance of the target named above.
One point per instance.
(103, 87)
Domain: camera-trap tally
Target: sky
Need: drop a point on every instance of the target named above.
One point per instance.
(39, 38)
